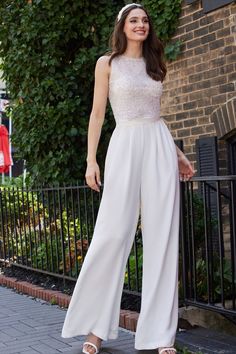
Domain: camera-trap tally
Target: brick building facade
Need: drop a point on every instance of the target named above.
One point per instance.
(199, 98)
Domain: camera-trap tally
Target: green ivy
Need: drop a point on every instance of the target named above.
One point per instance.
(165, 16)
(48, 51)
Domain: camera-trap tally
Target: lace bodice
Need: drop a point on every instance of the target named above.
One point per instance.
(132, 92)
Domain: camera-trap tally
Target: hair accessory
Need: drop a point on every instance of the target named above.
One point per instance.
(124, 8)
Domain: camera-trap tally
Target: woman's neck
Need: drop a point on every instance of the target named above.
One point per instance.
(134, 51)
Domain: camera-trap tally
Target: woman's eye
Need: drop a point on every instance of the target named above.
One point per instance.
(145, 21)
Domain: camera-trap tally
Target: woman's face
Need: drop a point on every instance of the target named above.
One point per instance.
(136, 25)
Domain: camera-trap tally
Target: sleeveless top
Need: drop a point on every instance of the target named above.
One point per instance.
(133, 94)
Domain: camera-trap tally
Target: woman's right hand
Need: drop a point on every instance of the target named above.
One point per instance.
(92, 176)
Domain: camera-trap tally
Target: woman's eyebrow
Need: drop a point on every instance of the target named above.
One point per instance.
(137, 17)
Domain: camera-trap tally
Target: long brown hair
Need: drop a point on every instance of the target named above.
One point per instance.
(153, 49)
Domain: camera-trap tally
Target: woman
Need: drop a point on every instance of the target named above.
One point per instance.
(142, 171)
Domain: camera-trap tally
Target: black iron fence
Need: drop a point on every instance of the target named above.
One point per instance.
(49, 230)
(208, 243)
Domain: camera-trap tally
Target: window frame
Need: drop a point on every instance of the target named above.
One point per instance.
(211, 5)
(231, 145)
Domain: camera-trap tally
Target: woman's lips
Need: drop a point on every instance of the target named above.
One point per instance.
(140, 32)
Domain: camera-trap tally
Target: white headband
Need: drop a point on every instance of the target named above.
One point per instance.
(124, 8)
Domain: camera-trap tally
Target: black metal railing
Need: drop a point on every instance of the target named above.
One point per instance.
(49, 230)
(207, 243)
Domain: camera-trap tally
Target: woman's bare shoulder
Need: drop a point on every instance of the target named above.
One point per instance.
(103, 64)
(104, 58)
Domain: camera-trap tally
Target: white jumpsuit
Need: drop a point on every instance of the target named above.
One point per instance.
(140, 175)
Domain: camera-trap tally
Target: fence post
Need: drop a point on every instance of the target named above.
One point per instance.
(2, 230)
(184, 252)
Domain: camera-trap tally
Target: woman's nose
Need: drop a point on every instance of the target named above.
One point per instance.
(140, 24)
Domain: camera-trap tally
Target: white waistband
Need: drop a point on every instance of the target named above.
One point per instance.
(136, 121)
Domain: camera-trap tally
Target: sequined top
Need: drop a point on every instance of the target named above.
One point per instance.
(132, 92)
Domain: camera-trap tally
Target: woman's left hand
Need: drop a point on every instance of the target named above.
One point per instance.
(186, 170)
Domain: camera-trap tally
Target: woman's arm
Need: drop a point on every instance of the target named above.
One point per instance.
(179, 152)
(96, 121)
(99, 107)
(186, 170)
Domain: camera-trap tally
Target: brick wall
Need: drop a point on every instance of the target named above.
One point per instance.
(202, 81)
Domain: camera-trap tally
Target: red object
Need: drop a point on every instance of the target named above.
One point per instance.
(5, 156)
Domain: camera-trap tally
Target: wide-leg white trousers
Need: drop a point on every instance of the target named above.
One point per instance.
(141, 173)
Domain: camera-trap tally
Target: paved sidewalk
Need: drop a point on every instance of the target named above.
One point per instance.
(32, 326)
(29, 326)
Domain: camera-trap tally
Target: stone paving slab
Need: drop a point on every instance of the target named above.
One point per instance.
(207, 341)
(33, 326)
(30, 326)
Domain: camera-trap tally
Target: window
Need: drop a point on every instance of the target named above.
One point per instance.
(207, 156)
(232, 155)
(232, 171)
(208, 165)
(210, 5)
